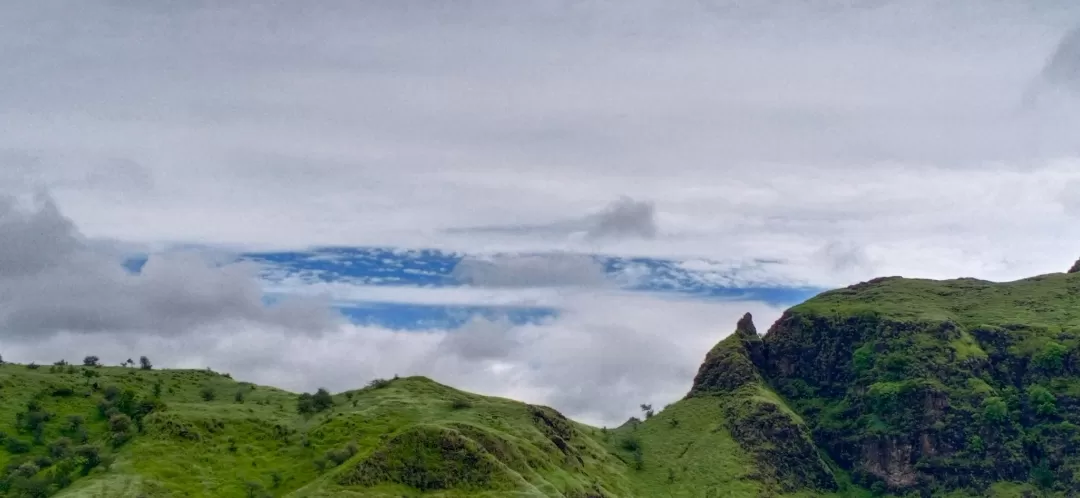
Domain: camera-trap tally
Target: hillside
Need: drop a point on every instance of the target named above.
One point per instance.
(893, 386)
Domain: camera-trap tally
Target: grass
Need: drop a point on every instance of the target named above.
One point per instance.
(1051, 301)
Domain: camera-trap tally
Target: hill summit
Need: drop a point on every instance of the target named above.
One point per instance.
(894, 386)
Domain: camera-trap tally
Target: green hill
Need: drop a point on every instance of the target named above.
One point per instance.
(890, 387)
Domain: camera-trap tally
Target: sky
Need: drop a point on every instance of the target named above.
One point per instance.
(566, 202)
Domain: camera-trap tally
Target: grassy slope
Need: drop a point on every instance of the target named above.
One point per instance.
(1051, 301)
(199, 448)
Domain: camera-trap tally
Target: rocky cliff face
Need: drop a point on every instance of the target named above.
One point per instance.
(913, 385)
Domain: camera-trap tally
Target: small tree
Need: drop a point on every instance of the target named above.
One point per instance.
(89, 374)
(60, 448)
(239, 396)
(208, 393)
(648, 410)
(90, 456)
(91, 361)
(144, 363)
(305, 404)
(322, 400)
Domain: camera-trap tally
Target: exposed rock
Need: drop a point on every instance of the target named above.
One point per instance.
(891, 461)
(729, 365)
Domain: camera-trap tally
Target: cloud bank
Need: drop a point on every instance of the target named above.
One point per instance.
(52, 281)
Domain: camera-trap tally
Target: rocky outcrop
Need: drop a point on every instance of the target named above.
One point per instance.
(730, 365)
(776, 438)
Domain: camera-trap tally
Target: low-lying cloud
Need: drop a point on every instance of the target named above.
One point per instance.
(531, 270)
(52, 280)
(602, 357)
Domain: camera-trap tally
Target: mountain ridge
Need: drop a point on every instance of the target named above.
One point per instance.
(894, 386)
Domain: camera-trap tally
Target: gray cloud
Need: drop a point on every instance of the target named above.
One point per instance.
(480, 339)
(1063, 66)
(624, 218)
(52, 280)
(531, 270)
(621, 219)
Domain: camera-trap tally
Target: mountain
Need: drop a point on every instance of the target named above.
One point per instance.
(894, 386)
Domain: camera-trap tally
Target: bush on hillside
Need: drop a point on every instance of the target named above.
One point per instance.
(460, 404)
(322, 400)
(631, 444)
(378, 383)
(91, 361)
(305, 404)
(208, 393)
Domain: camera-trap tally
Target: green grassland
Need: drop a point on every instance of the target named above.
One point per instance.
(897, 387)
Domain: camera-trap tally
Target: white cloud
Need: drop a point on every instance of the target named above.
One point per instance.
(52, 281)
(597, 362)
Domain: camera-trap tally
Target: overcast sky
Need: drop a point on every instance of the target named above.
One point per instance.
(843, 139)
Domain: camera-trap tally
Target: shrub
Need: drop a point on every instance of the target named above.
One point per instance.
(60, 448)
(75, 422)
(631, 444)
(111, 392)
(276, 479)
(120, 423)
(16, 446)
(994, 410)
(144, 363)
(33, 366)
(322, 400)
(239, 396)
(378, 383)
(1051, 357)
(460, 404)
(91, 361)
(1041, 400)
(43, 461)
(341, 455)
(253, 489)
(208, 393)
(305, 404)
(673, 423)
(27, 469)
(90, 456)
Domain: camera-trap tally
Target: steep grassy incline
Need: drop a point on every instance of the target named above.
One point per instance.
(935, 387)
